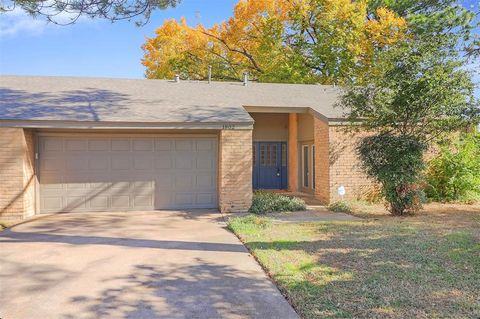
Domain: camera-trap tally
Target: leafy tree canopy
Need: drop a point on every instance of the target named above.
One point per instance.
(303, 41)
(277, 41)
(112, 10)
(423, 91)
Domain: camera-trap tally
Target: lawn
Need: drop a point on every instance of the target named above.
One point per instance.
(426, 266)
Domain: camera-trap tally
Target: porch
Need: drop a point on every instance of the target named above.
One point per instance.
(290, 154)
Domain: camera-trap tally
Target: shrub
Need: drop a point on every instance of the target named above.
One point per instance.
(454, 175)
(340, 207)
(395, 162)
(267, 202)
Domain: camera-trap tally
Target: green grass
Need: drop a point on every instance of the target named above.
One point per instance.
(416, 267)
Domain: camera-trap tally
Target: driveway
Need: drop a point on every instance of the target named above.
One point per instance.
(132, 265)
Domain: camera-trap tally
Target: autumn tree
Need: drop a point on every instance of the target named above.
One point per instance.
(276, 41)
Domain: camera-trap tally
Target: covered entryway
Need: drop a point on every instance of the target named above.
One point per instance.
(270, 165)
(123, 172)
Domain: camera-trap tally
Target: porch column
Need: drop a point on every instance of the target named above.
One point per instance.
(292, 152)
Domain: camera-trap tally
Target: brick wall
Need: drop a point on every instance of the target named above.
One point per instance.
(322, 174)
(235, 170)
(17, 190)
(345, 165)
(29, 177)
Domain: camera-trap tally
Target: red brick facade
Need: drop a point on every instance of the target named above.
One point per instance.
(345, 165)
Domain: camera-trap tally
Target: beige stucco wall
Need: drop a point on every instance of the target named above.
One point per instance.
(305, 127)
(235, 170)
(270, 127)
(17, 176)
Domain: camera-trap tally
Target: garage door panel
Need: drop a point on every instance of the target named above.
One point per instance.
(79, 162)
(75, 202)
(205, 145)
(51, 203)
(163, 144)
(205, 198)
(205, 182)
(99, 203)
(183, 162)
(121, 163)
(143, 201)
(183, 145)
(143, 163)
(120, 145)
(163, 161)
(183, 182)
(52, 164)
(98, 162)
(184, 199)
(120, 201)
(76, 145)
(100, 173)
(98, 145)
(52, 144)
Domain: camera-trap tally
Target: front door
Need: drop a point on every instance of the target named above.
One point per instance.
(270, 165)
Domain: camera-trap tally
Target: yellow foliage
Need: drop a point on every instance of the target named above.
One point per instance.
(276, 40)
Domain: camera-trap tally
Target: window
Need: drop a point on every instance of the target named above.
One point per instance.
(263, 159)
(284, 155)
(273, 155)
(313, 166)
(305, 166)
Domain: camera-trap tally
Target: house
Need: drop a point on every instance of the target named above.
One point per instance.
(96, 144)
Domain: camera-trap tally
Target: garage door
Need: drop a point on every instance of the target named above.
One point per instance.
(107, 173)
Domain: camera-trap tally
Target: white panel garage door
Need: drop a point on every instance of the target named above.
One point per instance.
(107, 173)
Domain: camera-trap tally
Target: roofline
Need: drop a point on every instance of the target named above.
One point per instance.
(60, 124)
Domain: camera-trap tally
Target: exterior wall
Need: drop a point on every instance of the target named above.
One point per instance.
(270, 127)
(305, 127)
(235, 170)
(345, 165)
(17, 177)
(322, 161)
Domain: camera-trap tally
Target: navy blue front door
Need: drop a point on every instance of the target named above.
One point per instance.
(269, 165)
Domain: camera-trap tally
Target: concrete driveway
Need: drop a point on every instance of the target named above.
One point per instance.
(132, 265)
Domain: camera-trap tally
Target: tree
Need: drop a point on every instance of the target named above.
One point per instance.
(423, 93)
(108, 9)
(395, 162)
(276, 41)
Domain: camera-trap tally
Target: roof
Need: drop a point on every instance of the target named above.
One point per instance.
(74, 99)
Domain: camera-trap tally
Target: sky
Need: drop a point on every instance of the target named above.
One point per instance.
(95, 48)
(99, 48)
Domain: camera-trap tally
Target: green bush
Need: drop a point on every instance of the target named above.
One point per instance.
(340, 207)
(267, 202)
(396, 163)
(454, 175)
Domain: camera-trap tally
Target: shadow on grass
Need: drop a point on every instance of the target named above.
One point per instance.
(371, 271)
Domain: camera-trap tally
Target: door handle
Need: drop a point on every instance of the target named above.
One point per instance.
(278, 172)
